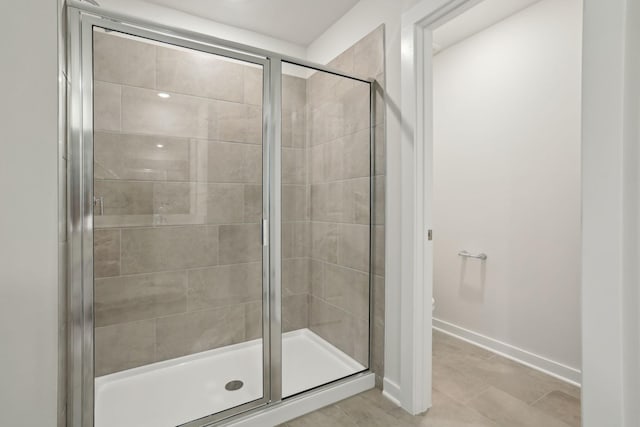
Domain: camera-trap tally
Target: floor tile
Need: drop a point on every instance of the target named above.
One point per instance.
(508, 411)
(472, 387)
(460, 386)
(511, 377)
(562, 406)
(445, 413)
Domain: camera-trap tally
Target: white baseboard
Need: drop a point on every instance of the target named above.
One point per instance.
(540, 363)
(391, 391)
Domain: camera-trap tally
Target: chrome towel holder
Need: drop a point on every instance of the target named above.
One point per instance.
(465, 254)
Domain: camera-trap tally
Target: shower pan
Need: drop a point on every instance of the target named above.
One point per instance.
(219, 229)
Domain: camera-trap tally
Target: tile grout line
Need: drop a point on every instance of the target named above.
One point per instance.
(540, 398)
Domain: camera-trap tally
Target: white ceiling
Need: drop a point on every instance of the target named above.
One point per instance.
(476, 19)
(295, 21)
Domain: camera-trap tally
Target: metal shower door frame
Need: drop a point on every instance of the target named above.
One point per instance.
(81, 320)
(81, 20)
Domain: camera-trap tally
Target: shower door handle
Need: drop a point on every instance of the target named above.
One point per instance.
(265, 232)
(99, 201)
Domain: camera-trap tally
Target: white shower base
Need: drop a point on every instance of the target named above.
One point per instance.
(176, 391)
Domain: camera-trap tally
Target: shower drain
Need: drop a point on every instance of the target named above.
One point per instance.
(234, 385)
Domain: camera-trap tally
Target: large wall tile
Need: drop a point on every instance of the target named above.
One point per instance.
(301, 242)
(353, 246)
(253, 320)
(296, 239)
(343, 201)
(123, 60)
(357, 197)
(175, 198)
(344, 62)
(328, 122)
(357, 155)
(168, 248)
(329, 322)
(334, 160)
(294, 203)
(240, 243)
(124, 346)
(143, 157)
(253, 203)
(139, 297)
(340, 329)
(316, 280)
(356, 108)
(143, 111)
(326, 202)
(369, 54)
(224, 285)
(229, 121)
(324, 241)
(107, 106)
(316, 164)
(348, 289)
(295, 312)
(294, 93)
(294, 166)
(125, 197)
(223, 203)
(295, 276)
(201, 74)
(198, 331)
(294, 129)
(253, 84)
(231, 162)
(106, 253)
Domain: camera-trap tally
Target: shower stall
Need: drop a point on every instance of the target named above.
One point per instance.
(220, 228)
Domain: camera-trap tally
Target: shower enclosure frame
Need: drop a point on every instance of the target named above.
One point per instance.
(81, 20)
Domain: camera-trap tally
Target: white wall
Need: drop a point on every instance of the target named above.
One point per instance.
(175, 18)
(363, 18)
(29, 216)
(631, 291)
(507, 181)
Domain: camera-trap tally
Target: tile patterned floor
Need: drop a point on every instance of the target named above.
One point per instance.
(472, 387)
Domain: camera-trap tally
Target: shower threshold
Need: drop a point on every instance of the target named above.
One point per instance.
(176, 391)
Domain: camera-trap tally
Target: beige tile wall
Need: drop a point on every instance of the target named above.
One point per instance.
(178, 250)
(339, 178)
(177, 253)
(296, 245)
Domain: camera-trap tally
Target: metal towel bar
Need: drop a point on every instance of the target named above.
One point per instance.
(466, 254)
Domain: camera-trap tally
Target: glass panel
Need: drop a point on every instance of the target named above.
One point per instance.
(325, 227)
(178, 241)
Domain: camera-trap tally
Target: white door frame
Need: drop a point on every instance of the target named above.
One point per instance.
(605, 88)
(416, 199)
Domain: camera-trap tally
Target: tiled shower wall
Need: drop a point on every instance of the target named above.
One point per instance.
(339, 171)
(178, 245)
(177, 251)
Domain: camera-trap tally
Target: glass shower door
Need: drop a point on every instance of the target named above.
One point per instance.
(326, 227)
(179, 262)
